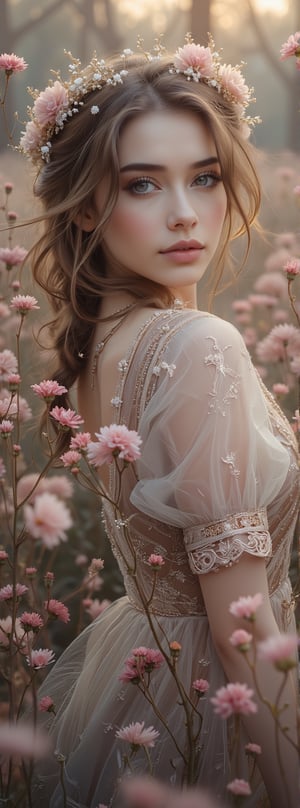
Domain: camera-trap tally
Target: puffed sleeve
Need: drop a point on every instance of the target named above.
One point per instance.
(210, 462)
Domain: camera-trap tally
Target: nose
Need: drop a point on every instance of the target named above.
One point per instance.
(181, 215)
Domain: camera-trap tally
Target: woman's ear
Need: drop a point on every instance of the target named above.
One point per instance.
(86, 220)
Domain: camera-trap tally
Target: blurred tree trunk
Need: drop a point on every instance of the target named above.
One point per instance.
(292, 82)
(200, 16)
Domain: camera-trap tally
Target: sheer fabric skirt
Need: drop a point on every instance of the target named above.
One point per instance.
(92, 704)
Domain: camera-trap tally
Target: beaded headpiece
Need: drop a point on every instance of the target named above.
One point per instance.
(55, 105)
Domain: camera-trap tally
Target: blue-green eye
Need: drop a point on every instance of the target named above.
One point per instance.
(207, 179)
(142, 185)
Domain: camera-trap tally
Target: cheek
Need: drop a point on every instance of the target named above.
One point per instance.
(127, 222)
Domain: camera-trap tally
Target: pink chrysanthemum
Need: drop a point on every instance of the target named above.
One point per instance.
(156, 560)
(234, 84)
(12, 256)
(246, 607)
(137, 735)
(12, 63)
(95, 566)
(6, 592)
(196, 57)
(48, 389)
(114, 441)
(233, 698)
(70, 458)
(47, 519)
(291, 47)
(68, 419)
(57, 609)
(46, 705)
(241, 639)
(24, 303)
(239, 787)
(40, 658)
(80, 441)
(281, 650)
(200, 685)
(31, 137)
(253, 749)
(292, 268)
(31, 621)
(8, 364)
(50, 104)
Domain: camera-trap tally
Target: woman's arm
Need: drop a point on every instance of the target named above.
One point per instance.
(248, 577)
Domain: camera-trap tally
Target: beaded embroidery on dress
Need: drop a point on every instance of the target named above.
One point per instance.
(171, 508)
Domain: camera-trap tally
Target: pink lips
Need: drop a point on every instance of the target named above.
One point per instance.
(184, 246)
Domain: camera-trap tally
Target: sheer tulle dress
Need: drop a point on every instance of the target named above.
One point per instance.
(218, 477)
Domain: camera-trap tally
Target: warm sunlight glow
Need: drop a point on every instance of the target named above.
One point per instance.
(278, 7)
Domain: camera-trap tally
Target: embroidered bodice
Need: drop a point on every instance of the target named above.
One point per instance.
(218, 474)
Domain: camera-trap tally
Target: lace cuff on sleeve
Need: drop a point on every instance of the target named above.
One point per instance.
(220, 544)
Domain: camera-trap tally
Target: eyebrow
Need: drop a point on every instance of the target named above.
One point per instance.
(155, 167)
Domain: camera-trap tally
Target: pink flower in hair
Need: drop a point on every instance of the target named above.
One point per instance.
(114, 441)
(47, 519)
(241, 787)
(48, 389)
(234, 83)
(196, 57)
(50, 104)
(57, 610)
(31, 137)
(281, 650)
(137, 735)
(68, 419)
(246, 607)
(291, 47)
(40, 658)
(233, 698)
(12, 63)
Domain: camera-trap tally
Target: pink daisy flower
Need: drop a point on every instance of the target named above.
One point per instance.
(156, 561)
(291, 47)
(40, 658)
(137, 735)
(47, 519)
(31, 621)
(8, 364)
(292, 268)
(241, 639)
(12, 256)
(114, 441)
(6, 592)
(12, 63)
(46, 705)
(80, 441)
(24, 303)
(57, 609)
(233, 698)
(200, 685)
(31, 137)
(246, 607)
(68, 419)
(48, 389)
(281, 650)
(70, 458)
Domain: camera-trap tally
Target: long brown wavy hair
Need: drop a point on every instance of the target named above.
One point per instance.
(70, 264)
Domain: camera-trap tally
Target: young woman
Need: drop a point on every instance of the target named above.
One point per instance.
(146, 176)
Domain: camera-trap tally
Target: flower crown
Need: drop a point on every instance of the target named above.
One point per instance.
(55, 105)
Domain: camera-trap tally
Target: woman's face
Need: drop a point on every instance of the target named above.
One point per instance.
(171, 206)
